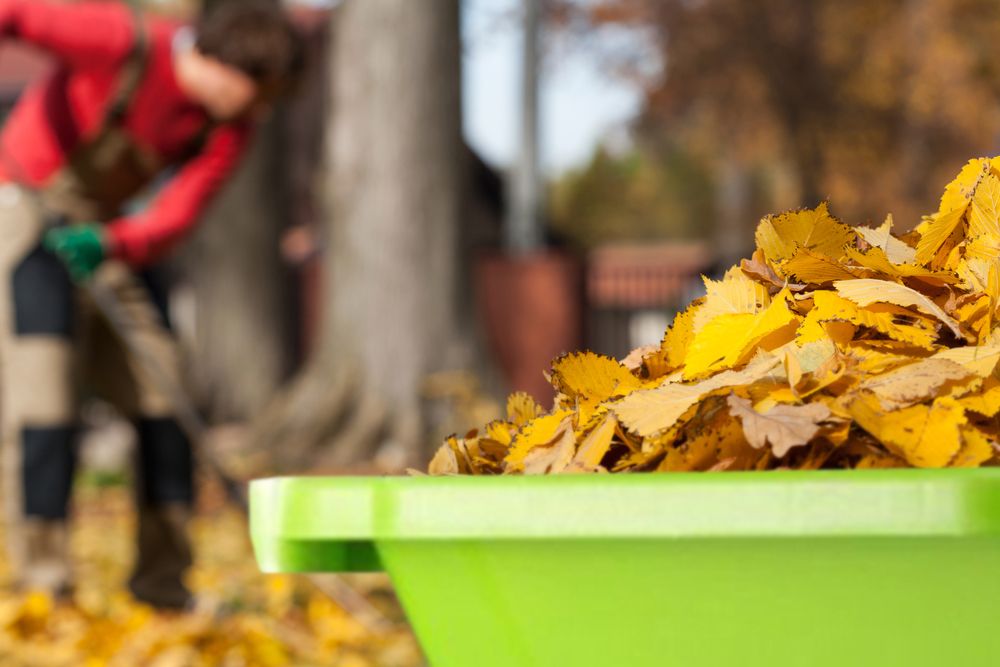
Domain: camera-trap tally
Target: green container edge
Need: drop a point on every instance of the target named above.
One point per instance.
(333, 524)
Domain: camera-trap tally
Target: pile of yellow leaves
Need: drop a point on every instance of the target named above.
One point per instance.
(831, 347)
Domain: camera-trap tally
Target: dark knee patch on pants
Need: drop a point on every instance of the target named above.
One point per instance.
(43, 295)
(166, 463)
(48, 464)
(157, 285)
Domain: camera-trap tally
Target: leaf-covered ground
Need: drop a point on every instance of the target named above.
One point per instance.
(242, 618)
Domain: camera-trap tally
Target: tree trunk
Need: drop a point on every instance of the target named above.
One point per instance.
(525, 234)
(241, 308)
(392, 225)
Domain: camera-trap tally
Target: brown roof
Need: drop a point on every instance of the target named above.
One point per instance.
(648, 275)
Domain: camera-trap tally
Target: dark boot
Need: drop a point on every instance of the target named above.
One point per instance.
(164, 556)
(46, 562)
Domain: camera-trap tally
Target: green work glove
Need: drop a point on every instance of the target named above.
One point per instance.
(80, 247)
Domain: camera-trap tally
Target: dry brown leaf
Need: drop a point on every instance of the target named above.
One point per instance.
(552, 457)
(782, 427)
(914, 383)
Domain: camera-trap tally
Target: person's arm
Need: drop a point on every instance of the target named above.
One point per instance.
(144, 238)
(81, 34)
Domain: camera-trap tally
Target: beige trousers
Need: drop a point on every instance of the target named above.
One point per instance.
(56, 347)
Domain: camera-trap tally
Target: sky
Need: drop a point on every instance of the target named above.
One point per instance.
(581, 102)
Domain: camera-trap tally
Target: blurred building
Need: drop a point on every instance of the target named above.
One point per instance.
(634, 290)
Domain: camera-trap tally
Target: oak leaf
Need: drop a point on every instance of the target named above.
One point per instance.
(782, 427)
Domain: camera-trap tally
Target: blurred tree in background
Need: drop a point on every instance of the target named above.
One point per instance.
(865, 102)
(393, 191)
(230, 328)
(643, 195)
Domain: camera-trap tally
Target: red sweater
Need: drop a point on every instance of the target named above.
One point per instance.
(91, 41)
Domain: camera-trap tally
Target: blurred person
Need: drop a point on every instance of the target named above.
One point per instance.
(132, 97)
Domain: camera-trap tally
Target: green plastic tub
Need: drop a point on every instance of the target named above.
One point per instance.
(892, 567)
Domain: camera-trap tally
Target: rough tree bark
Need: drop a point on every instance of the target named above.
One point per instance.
(241, 307)
(394, 149)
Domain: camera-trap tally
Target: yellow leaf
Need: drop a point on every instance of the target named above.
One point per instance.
(976, 449)
(707, 443)
(980, 253)
(811, 331)
(522, 408)
(596, 444)
(713, 346)
(975, 315)
(554, 456)
(979, 359)
(819, 376)
(914, 383)
(678, 337)
(865, 292)
(829, 306)
(986, 404)
(780, 236)
(938, 237)
(811, 267)
(881, 238)
(736, 337)
(779, 396)
(872, 362)
(875, 259)
(588, 379)
(984, 214)
(879, 459)
(732, 446)
(670, 354)
(536, 433)
(735, 293)
(960, 191)
(811, 356)
(650, 412)
(592, 376)
(793, 369)
(926, 436)
(818, 329)
(774, 328)
(500, 431)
